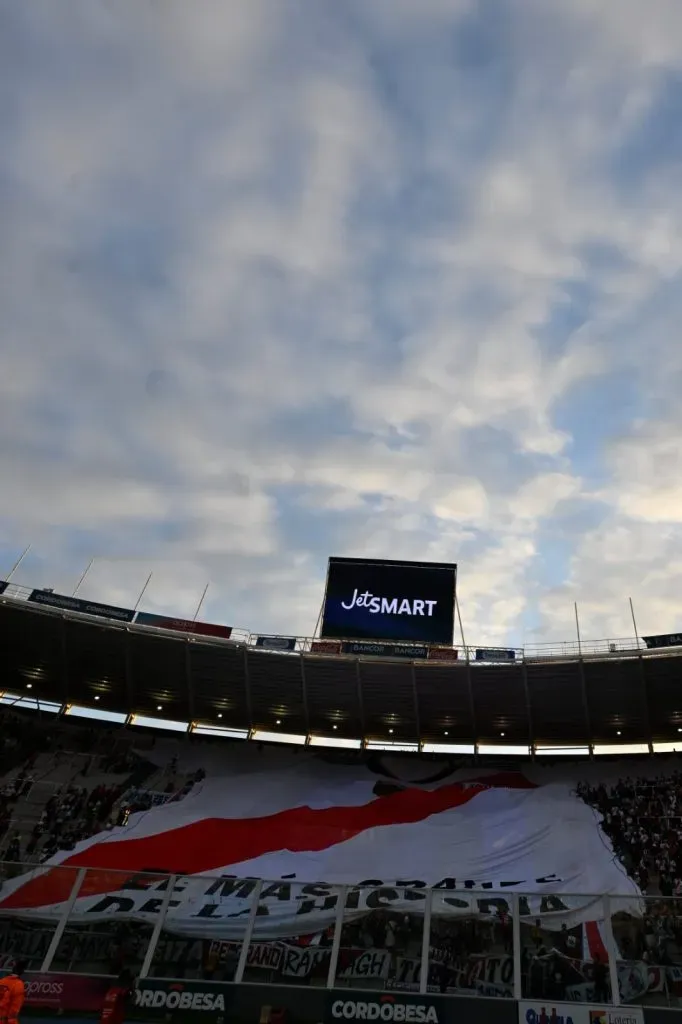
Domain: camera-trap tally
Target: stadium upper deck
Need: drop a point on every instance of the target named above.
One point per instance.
(612, 698)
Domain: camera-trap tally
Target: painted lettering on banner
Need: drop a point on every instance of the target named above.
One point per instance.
(208, 907)
(353, 963)
(267, 955)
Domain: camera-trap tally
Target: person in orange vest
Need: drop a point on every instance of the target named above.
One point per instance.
(117, 999)
(12, 994)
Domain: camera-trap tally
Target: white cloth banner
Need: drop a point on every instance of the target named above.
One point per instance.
(476, 841)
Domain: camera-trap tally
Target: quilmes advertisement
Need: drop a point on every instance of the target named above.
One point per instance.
(407, 602)
(544, 1011)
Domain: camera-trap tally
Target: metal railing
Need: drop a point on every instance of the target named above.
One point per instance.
(381, 936)
(618, 647)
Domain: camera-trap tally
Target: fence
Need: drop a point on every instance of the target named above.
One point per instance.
(377, 936)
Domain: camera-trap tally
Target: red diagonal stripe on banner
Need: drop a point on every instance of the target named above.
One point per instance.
(213, 844)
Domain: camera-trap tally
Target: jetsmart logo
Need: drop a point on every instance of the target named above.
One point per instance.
(389, 605)
(388, 1009)
(175, 998)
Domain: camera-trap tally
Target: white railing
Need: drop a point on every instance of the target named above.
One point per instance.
(472, 941)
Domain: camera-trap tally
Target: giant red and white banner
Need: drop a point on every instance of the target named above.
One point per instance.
(311, 825)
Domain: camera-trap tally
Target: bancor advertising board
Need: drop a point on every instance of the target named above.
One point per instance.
(387, 600)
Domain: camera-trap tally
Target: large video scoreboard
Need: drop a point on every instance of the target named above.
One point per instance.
(407, 602)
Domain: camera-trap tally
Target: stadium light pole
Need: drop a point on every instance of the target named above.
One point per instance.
(634, 621)
(18, 562)
(461, 628)
(78, 585)
(143, 591)
(196, 614)
(577, 628)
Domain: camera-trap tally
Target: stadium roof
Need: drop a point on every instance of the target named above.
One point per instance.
(619, 702)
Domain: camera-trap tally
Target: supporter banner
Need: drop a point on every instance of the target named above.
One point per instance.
(323, 820)
(443, 654)
(475, 975)
(3, 586)
(494, 654)
(32, 943)
(546, 1011)
(407, 602)
(183, 625)
(494, 976)
(75, 604)
(267, 955)
(277, 643)
(663, 640)
(302, 961)
(353, 963)
(325, 647)
(286, 909)
(365, 648)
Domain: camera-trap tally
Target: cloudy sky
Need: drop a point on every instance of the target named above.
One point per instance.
(400, 278)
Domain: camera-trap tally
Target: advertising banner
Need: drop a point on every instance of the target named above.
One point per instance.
(663, 640)
(407, 602)
(75, 604)
(276, 643)
(377, 1006)
(66, 992)
(183, 625)
(182, 998)
(494, 654)
(545, 1011)
(443, 654)
(325, 647)
(365, 648)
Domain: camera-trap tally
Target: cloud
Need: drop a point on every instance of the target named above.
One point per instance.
(279, 282)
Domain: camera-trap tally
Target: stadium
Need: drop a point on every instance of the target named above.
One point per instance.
(367, 308)
(387, 829)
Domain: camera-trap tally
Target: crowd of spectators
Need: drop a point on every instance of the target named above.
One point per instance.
(58, 818)
(643, 820)
(70, 816)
